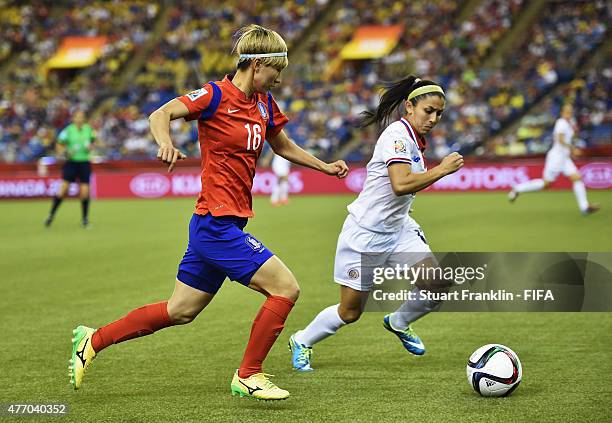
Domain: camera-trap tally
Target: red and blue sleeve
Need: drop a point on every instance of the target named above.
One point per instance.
(197, 101)
(277, 120)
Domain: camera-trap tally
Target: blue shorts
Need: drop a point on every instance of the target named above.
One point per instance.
(218, 248)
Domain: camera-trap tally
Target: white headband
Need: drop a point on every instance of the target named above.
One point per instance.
(259, 55)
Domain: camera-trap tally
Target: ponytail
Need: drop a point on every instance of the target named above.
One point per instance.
(395, 94)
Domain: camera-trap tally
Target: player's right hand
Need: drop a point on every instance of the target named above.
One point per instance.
(168, 154)
(452, 163)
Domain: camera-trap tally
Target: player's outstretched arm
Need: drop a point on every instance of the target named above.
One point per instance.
(285, 147)
(403, 181)
(159, 122)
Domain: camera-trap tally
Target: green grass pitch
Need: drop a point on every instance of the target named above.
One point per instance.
(54, 279)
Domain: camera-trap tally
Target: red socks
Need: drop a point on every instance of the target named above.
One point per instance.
(145, 320)
(139, 322)
(268, 324)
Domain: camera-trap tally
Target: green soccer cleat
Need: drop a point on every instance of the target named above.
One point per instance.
(257, 386)
(82, 354)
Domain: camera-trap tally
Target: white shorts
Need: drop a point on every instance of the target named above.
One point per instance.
(556, 165)
(355, 240)
(281, 166)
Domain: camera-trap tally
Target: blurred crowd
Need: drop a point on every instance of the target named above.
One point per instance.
(36, 101)
(482, 99)
(557, 44)
(322, 95)
(185, 58)
(590, 95)
(325, 96)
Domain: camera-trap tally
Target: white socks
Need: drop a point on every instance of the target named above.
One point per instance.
(324, 325)
(284, 190)
(538, 184)
(532, 185)
(328, 321)
(280, 192)
(410, 311)
(275, 193)
(581, 196)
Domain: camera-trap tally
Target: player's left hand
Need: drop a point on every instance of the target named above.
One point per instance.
(337, 168)
(576, 152)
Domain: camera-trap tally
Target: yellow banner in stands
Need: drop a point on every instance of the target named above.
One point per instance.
(77, 52)
(372, 42)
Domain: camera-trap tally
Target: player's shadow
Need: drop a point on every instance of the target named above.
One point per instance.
(253, 404)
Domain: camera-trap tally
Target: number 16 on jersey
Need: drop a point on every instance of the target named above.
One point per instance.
(254, 136)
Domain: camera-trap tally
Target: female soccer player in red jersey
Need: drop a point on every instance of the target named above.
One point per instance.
(234, 116)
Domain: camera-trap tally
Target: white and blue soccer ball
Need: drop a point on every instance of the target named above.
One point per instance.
(494, 370)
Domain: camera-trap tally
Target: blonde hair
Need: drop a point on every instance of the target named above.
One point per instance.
(255, 39)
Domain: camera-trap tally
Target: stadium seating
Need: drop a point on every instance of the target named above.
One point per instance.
(185, 58)
(322, 100)
(37, 103)
(589, 93)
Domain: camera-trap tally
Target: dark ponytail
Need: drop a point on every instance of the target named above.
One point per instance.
(395, 94)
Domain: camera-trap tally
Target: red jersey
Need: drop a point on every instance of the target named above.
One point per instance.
(231, 141)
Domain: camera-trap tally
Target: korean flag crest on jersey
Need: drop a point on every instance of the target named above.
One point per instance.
(262, 110)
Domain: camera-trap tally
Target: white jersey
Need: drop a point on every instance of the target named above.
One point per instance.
(280, 166)
(377, 208)
(565, 128)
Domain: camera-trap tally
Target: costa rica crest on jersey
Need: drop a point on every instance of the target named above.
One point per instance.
(262, 110)
(400, 146)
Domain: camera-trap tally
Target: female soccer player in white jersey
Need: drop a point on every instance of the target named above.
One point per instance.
(558, 160)
(378, 219)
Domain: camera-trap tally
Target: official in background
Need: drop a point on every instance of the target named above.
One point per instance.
(74, 144)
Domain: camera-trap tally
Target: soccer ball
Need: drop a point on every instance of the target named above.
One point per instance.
(494, 370)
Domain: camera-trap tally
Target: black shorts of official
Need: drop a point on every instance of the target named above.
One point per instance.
(76, 170)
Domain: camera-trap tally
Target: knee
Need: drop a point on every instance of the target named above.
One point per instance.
(290, 290)
(295, 292)
(286, 286)
(349, 315)
(181, 315)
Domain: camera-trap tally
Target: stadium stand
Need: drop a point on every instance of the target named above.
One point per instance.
(322, 95)
(590, 95)
(37, 101)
